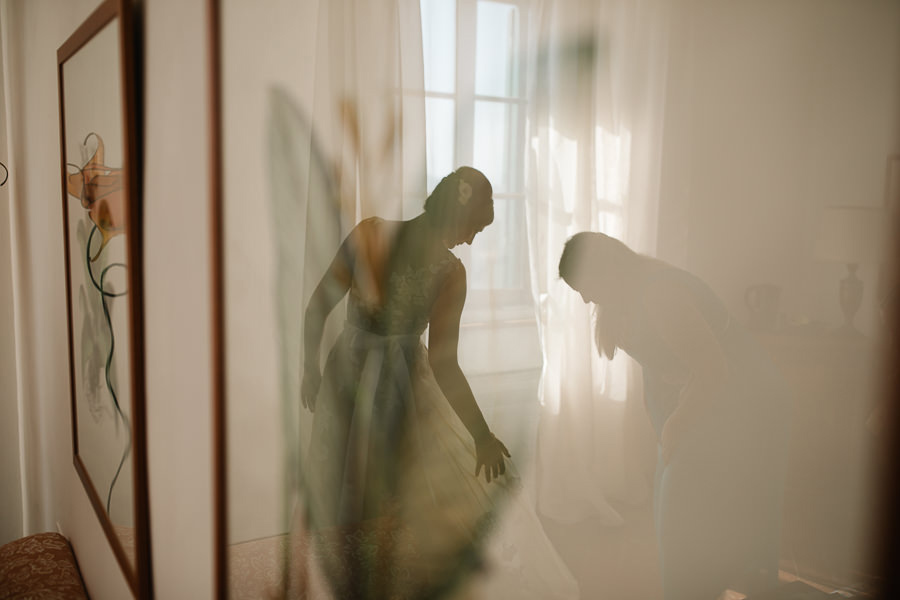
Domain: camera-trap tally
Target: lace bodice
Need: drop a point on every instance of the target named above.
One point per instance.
(408, 298)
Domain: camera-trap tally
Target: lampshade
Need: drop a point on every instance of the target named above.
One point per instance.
(850, 234)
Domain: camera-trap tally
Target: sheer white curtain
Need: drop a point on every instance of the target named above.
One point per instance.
(595, 132)
(359, 151)
(369, 110)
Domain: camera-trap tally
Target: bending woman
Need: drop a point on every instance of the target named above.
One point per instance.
(717, 405)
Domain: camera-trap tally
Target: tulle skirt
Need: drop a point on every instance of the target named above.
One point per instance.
(394, 509)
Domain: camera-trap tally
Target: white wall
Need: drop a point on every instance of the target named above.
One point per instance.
(776, 110)
(261, 50)
(177, 298)
(11, 490)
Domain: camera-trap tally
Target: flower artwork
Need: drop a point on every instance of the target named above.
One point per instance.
(100, 199)
(99, 188)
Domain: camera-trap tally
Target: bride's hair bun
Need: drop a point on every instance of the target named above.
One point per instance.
(458, 196)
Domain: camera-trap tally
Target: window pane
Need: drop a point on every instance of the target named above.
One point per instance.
(497, 259)
(439, 44)
(611, 224)
(611, 153)
(440, 123)
(498, 149)
(496, 64)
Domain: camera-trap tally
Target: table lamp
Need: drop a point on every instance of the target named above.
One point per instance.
(851, 235)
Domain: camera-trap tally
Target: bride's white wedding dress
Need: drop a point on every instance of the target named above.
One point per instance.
(394, 509)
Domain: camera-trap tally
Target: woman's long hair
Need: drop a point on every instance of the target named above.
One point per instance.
(615, 271)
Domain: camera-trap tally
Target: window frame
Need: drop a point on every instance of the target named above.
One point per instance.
(491, 305)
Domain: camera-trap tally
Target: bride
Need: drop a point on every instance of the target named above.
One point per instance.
(405, 481)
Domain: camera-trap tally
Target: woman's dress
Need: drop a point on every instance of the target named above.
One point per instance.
(718, 500)
(394, 507)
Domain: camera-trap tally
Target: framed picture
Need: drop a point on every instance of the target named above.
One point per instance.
(102, 241)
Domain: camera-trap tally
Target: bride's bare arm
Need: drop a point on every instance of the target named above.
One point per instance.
(443, 340)
(328, 293)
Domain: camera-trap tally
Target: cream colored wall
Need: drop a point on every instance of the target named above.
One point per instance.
(11, 489)
(177, 298)
(776, 110)
(261, 50)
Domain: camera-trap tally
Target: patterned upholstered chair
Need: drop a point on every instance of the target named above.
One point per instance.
(40, 566)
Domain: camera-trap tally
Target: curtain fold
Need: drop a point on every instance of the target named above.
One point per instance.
(362, 147)
(369, 111)
(595, 132)
(358, 152)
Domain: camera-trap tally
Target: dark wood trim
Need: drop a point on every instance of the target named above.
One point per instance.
(134, 180)
(217, 312)
(886, 524)
(102, 15)
(118, 550)
(67, 268)
(139, 573)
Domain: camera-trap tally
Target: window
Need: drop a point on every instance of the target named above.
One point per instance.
(475, 115)
(611, 169)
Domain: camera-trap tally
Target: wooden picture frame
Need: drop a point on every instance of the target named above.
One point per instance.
(217, 308)
(104, 279)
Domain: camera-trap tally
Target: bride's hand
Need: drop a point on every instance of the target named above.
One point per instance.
(489, 454)
(309, 389)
